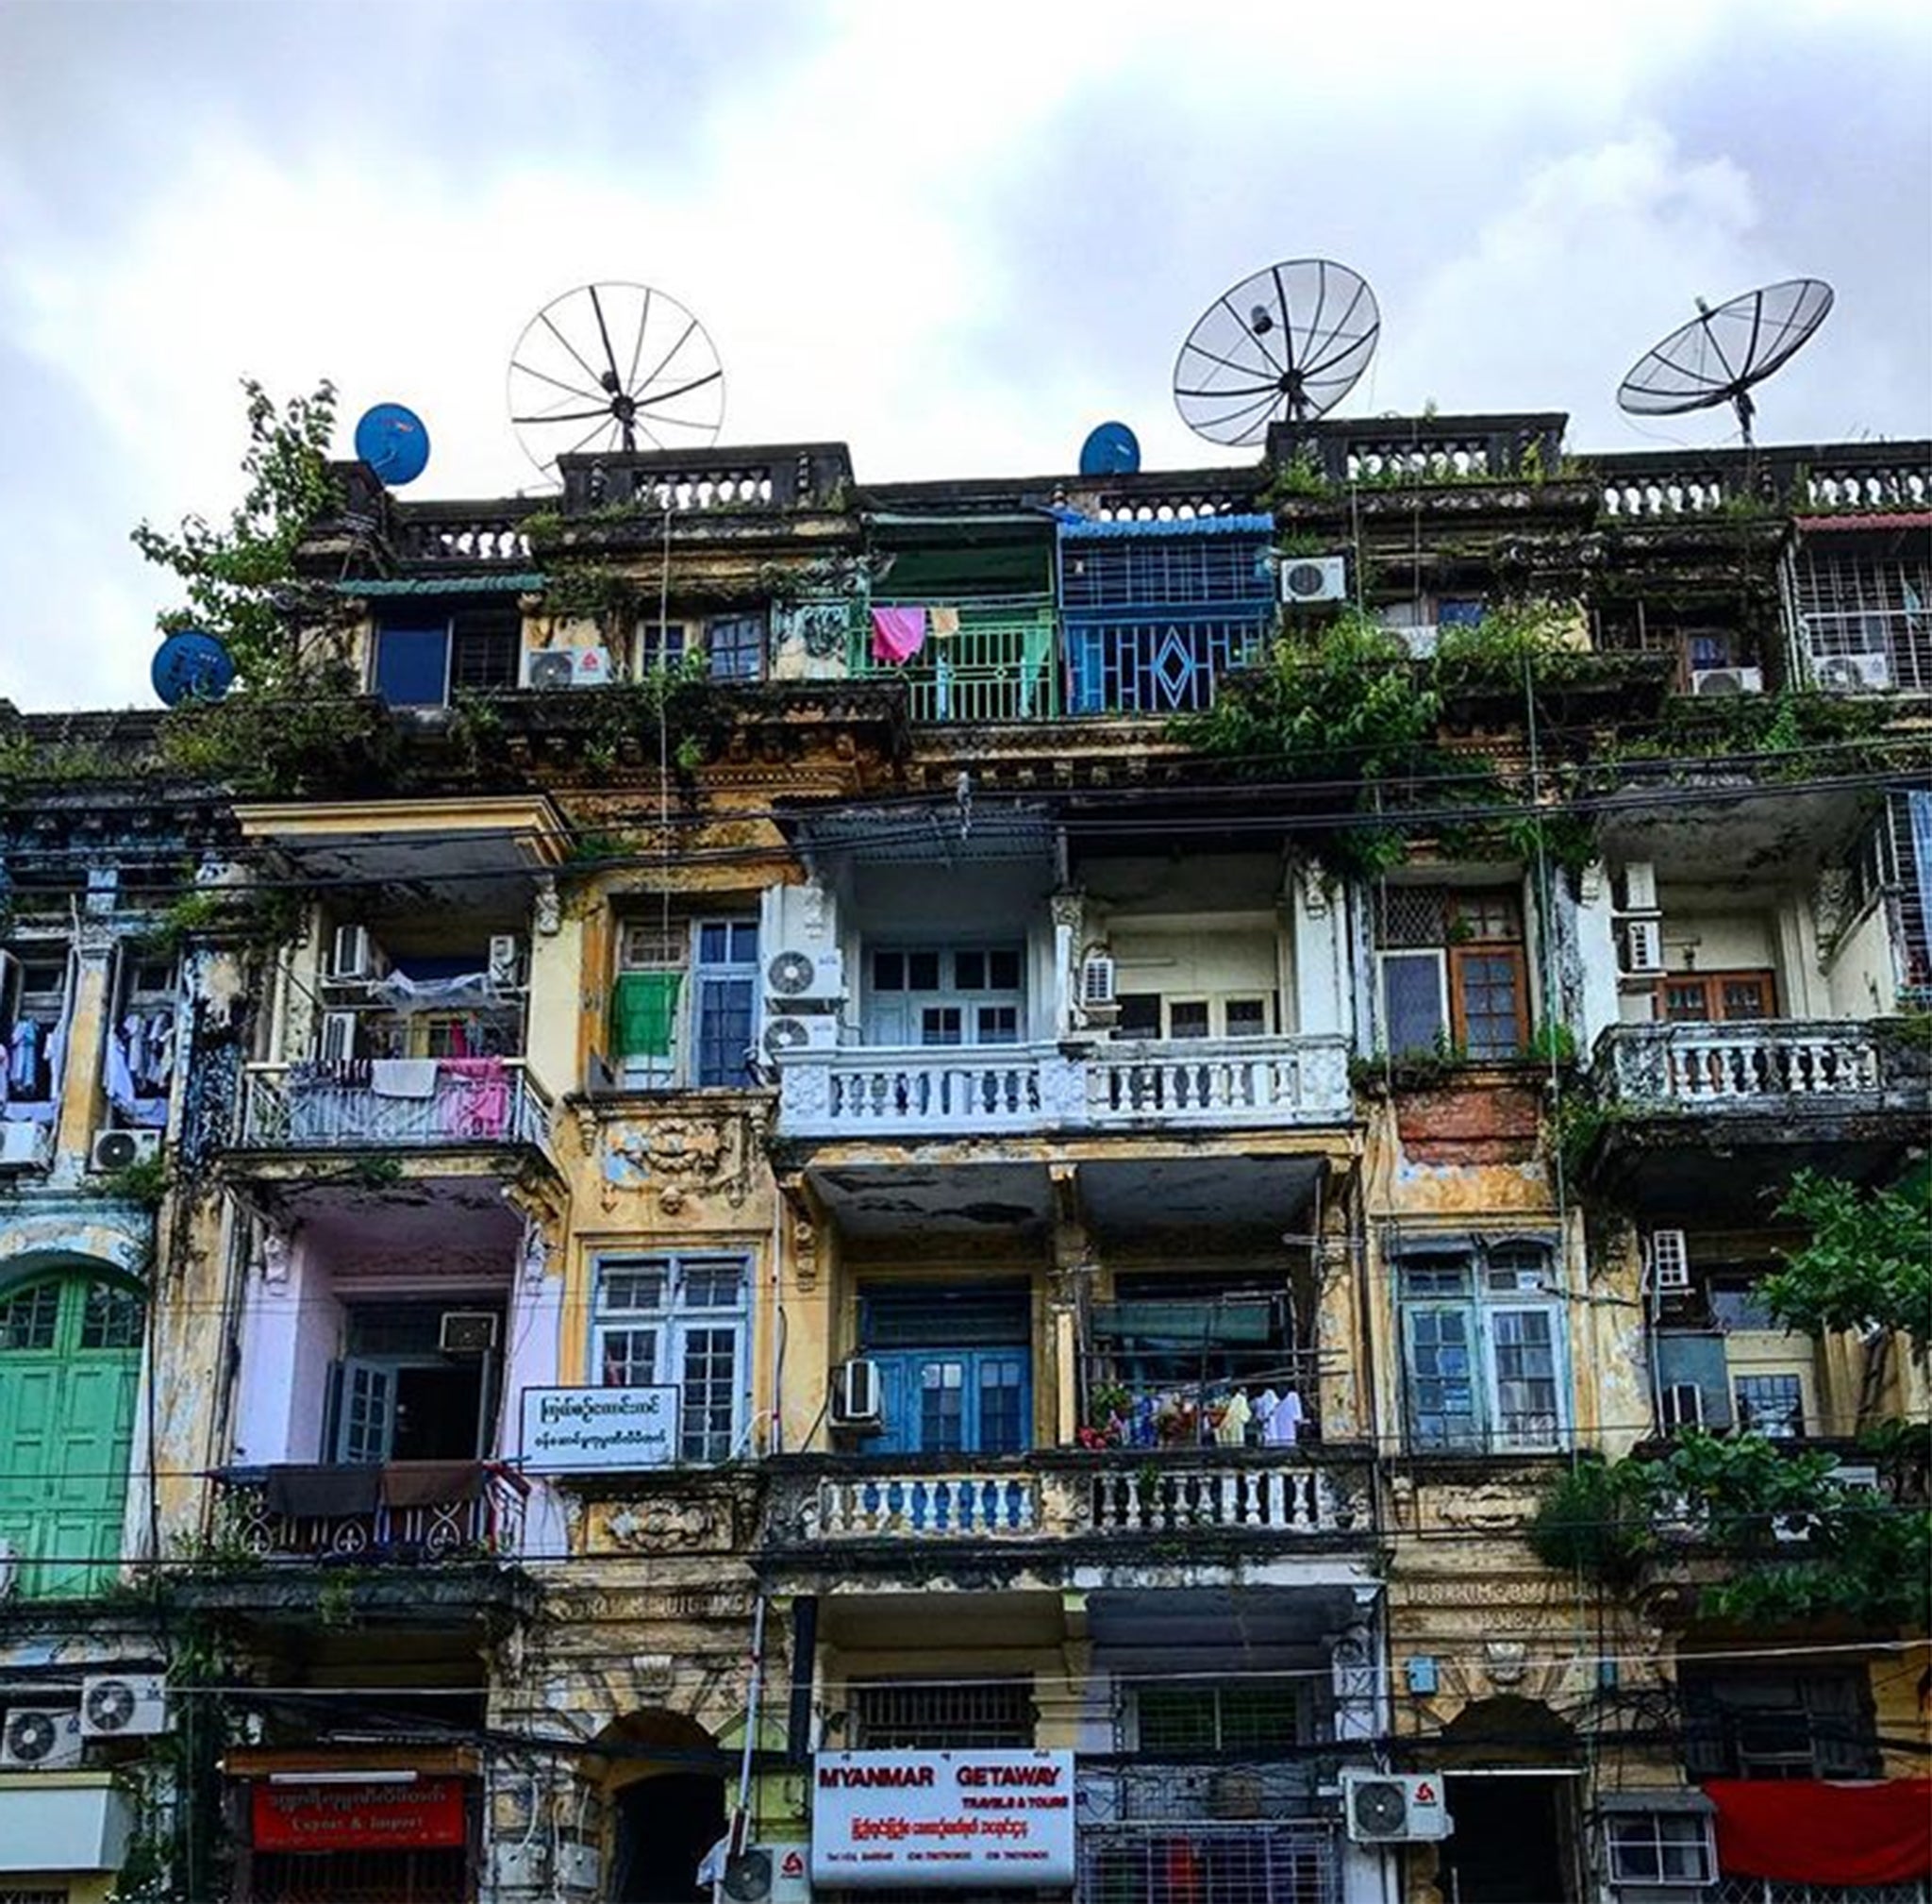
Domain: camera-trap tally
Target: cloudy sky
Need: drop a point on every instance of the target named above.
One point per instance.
(955, 237)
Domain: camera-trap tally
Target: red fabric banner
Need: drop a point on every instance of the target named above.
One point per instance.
(1816, 1831)
(371, 1817)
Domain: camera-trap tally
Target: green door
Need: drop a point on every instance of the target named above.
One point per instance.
(69, 1360)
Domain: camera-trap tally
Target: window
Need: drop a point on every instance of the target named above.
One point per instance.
(955, 1366)
(1206, 1717)
(678, 1322)
(908, 1716)
(1707, 998)
(33, 1006)
(735, 647)
(1660, 1847)
(965, 995)
(1149, 1015)
(1452, 971)
(140, 1067)
(1816, 1724)
(424, 660)
(1482, 1341)
(1771, 1405)
(665, 1031)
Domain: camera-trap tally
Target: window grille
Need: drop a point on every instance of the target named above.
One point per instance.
(1229, 1865)
(1771, 1405)
(1771, 1891)
(1850, 606)
(912, 1716)
(1412, 915)
(1214, 1718)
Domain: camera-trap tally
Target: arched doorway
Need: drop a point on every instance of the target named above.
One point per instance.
(1506, 1765)
(668, 1805)
(70, 1366)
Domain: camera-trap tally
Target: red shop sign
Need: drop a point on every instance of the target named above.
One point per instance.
(369, 1817)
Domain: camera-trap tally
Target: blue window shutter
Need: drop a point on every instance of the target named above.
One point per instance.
(412, 666)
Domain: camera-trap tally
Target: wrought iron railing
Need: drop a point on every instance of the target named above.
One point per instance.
(1173, 664)
(1777, 1891)
(441, 1514)
(999, 667)
(339, 1106)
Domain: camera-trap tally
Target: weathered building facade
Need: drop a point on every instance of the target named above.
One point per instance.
(787, 1143)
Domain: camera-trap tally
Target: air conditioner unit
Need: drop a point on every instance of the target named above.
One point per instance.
(23, 1146)
(128, 1706)
(1637, 886)
(1641, 948)
(1683, 1406)
(857, 1400)
(1387, 1808)
(795, 978)
(1313, 578)
(1855, 674)
(566, 667)
(769, 1874)
(1727, 680)
(1667, 1257)
(353, 954)
(505, 966)
(786, 1034)
(1098, 976)
(118, 1149)
(337, 1043)
(466, 1331)
(1419, 638)
(42, 1739)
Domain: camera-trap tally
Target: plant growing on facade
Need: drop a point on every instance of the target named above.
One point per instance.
(238, 578)
(1868, 1262)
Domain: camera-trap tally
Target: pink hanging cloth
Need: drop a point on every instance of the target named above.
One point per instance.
(479, 1107)
(897, 634)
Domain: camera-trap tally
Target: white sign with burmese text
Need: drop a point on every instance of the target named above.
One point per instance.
(942, 1818)
(568, 1431)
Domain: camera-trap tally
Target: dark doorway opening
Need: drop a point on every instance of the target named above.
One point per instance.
(437, 1411)
(664, 1826)
(1508, 1844)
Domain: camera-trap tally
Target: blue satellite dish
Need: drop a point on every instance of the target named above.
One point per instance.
(394, 443)
(191, 665)
(1110, 449)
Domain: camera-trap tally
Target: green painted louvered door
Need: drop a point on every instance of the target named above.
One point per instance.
(70, 1356)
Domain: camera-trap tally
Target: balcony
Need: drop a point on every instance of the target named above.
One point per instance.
(1236, 1083)
(362, 1106)
(1841, 1096)
(1690, 1067)
(999, 667)
(406, 1511)
(1070, 1496)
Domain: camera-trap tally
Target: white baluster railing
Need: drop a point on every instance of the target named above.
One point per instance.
(1228, 1080)
(1154, 1499)
(927, 1507)
(1729, 1063)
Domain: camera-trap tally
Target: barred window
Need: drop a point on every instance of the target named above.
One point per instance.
(912, 1715)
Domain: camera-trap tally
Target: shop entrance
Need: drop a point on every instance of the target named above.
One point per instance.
(665, 1825)
(1508, 1848)
(361, 1877)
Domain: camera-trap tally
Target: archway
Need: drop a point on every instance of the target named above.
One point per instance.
(1506, 1763)
(668, 1804)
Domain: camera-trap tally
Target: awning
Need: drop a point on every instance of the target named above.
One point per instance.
(1819, 1832)
(51, 1820)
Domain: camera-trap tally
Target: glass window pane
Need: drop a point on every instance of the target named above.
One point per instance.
(889, 971)
(1139, 1015)
(724, 1008)
(940, 1025)
(710, 1394)
(1524, 1348)
(1001, 1429)
(744, 942)
(629, 1358)
(1687, 1001)
(1488, 982)
(713, 1285)
(998, 1025)
(112, 1319)
(1003, 971)
(1441, 1383)
(1188, 1018)
(922, 970)
(969, 971)
(1771, 1404)
(1413, 1001)
(942, 1407)
(1247, 1017)
(629, 1292)
(27, 1320)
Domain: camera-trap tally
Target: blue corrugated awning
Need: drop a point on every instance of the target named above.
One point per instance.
(1195, 526)
(522, 582)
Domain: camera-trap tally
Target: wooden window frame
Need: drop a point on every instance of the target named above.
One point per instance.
(1712, 984)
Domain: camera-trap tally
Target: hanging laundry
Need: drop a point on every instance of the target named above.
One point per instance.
(1284, 1423)
(23, 1056)
(897, 634)
(120, 1084)
(944, 623)
(1231, 1424)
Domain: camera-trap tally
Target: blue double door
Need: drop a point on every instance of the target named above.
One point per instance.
(954, 1401)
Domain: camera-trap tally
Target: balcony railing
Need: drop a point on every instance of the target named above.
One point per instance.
(961, 1090)
(1870, 650)
(410, 1511)
(998, 667)
(1731, 1890)
(1734, 1066)
(1060, 1495)
(353, 1107)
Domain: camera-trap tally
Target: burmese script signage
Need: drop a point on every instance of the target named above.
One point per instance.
(567, 1430)
(425, 1814)
(942, 1819)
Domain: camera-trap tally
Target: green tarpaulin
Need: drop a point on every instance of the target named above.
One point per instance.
(643, 1010)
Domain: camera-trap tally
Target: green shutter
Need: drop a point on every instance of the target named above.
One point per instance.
(643, 1010)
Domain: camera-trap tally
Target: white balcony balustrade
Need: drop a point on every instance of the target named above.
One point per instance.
(1735, 1066)
(960, 1090)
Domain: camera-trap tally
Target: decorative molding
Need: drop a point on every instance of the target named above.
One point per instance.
(547, 913)
(677, 1157)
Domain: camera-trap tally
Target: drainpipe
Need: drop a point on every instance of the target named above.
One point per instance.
(740, 1821)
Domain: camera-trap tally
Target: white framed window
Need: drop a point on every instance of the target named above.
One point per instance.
(1156, 1014)
(945, 994)
(678, 1322)
(684, 1003)
(1660, 1847)
(1483, 1362)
